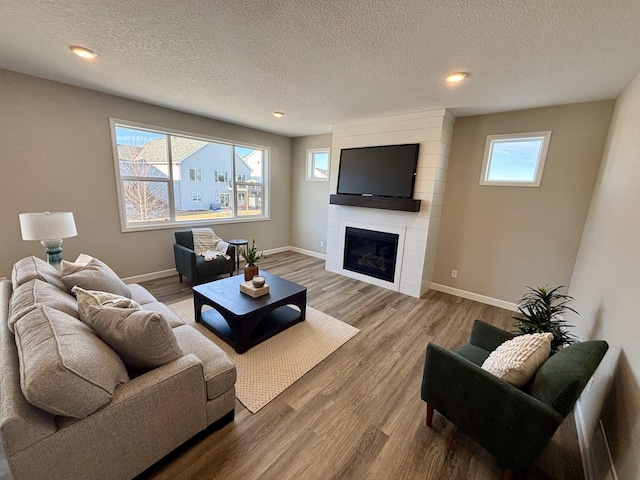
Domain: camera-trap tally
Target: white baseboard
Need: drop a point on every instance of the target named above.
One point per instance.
(276, 250)
(172, 271)
(474, 296)
(308, 253)
(145, 277)
(589, 460)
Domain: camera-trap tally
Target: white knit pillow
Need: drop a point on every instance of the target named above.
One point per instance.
(516, 361)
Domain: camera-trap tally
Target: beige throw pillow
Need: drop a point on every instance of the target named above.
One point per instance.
(95, 275)
(516, 361)
(143, 339)
(87, 298)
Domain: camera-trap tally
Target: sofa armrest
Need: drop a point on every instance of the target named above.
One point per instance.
(148, 418)
(509, 423)
(487, 336)
(185, 261)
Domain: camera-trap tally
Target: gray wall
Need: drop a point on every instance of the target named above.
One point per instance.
(501, 239)
(55, 148)
(606, 282)
(309, 199)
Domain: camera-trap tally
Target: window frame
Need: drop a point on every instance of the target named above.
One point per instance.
(197, 175)
(311, 164)
(540, 163)
(172, 222)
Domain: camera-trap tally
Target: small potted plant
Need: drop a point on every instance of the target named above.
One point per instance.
(540, 310)
(251, 256)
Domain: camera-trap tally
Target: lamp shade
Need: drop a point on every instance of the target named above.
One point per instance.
(47, 225)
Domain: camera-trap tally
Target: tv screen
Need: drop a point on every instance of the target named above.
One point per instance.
(385, 171)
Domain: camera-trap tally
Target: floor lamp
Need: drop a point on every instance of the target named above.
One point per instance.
(50, 228)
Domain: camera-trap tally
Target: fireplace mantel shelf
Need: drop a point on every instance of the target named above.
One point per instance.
(385, 203)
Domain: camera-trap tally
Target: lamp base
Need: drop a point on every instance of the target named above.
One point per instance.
(53, 249)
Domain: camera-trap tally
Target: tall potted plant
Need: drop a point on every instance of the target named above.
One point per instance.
(540, 310)
(251, 256)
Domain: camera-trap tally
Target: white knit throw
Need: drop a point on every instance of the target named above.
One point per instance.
(205, 242)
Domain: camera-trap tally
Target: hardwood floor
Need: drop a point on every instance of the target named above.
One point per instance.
(357, 415)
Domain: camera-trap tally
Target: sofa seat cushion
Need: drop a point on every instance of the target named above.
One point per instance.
(170, 316)
(36, 293)
(65, 369)
(31, 268)
(143, 339)
(95, 275)
(219, 370)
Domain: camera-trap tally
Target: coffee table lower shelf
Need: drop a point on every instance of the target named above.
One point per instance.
(273, 323)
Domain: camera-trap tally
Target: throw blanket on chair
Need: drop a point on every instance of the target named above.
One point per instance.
(208, 244)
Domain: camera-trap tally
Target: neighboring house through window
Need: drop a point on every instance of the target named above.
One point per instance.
(153, 163)
(515, 160)
(318, 164)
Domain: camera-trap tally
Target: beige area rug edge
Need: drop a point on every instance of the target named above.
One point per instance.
(268, 369)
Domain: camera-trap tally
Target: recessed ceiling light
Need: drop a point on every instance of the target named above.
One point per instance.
(457, 77)
(278, 114)
(83, 52)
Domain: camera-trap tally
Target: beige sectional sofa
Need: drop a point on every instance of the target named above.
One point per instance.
(70, 408)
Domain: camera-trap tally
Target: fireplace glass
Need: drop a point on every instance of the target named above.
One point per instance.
(371, 253)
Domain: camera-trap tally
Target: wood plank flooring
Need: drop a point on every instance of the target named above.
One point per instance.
(357, 415)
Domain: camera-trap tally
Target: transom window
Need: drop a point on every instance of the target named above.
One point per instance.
(515, 159)
(318, 164)
(154, 168)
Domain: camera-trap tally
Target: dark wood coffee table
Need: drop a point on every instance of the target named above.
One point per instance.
(243, 321)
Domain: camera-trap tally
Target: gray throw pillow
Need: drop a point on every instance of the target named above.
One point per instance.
(143, 339)
(95, 275)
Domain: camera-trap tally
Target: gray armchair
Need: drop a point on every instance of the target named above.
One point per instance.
(193, 266)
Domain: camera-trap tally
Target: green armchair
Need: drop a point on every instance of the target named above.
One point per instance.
(513, 424)
(194, 266)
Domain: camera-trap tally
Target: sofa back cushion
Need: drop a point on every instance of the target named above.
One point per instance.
(95, 275)
(36, 293)
(30, 268)
(561, 379)
(65, 369)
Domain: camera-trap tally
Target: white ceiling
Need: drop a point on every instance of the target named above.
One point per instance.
(324, 62)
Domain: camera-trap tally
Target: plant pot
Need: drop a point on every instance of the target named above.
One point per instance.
(250, 271)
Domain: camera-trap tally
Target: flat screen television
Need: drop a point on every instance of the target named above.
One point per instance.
(385, 171)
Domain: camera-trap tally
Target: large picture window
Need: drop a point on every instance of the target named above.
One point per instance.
(158, 170)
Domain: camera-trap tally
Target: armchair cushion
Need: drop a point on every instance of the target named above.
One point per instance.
(561, 379)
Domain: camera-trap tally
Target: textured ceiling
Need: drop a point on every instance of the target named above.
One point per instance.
(329, 61)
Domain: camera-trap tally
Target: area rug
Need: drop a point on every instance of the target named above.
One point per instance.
(269, 368)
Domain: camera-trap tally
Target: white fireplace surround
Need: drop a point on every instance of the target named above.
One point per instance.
(399, 254)
(417, 231)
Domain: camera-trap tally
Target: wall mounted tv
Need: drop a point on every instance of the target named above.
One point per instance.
(385, 171)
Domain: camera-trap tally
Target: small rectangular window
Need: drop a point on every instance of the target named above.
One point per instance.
(318, 164)
(196, 197)
(195, 174)
(515, 159)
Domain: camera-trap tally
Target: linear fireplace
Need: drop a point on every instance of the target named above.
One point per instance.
(371, 253)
